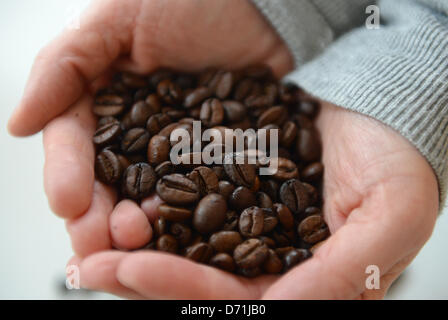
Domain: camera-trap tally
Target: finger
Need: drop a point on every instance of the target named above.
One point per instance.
(64, 68)
(165, 276)
(380, 232)
(150, 207)
(69, 158)
(90, 232)
(98, 272)
(129, 226)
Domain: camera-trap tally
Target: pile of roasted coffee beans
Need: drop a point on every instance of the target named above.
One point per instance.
(227, 216)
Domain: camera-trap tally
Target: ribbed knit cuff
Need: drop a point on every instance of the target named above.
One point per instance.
(397, 74)
(299, 24)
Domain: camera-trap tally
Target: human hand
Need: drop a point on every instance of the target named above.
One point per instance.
(381, 203)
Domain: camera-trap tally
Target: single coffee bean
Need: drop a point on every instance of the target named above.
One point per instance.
(282, 251)
(295, 257)
(270, 221)
(200, 252)
(241, 174)
(175, 214)
(313, 194)
(210, 213)
(225, 241)
(206, 180)
(289, 134)
(284, 215)
(212, 112)
(242, 198)
(263, 200)
(133, 80)
(284, 238)
(169, 91)
(124, 162)
(272, 264)
(243, 89)
(173, 113)
(105, 120)
(294, 195)
(313, 172)
(108, 105)
(139, 180)
(270, 187)
(308, 145)
(158, 150)
(108, 167)
(303, 122)
(250, 273)
(268, 241)
(135, 140)
(107, 133)
(276, 115)
(225, 188)
(165, 168)
(167, 243)
(234, 111)
(220, 173)
(313, 229)
(250, 254)
(140, 112)
(231, 223)
(251, 222)
(166, 131)
(224, 85)
(223, 261)
(286, 169)
(197, 96)
(160, 226)
(158, 76)
(154, 103)
(312, 211)
(176, 189)
(157, 122)
(182, 233)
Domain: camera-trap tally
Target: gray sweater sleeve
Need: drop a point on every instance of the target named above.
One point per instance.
(397, 74)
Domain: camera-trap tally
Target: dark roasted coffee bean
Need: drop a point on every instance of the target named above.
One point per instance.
(126, 122)
(313, 172)
(156, 77)
(272, 264)
(312, 211)
(167, 243)
(200, 252)
(107, 133)
(157, 122)
(284, 238)
(176, 189)
(295, 257)
(242, 198)
(108, 105)
(154, 103)
(175, 214)
(276, 115)
(251, 222)
(303, 122)
(225, 188)
(210, 213)
(259, 72)
(288, 93)
(141, 94)
(243, 125)
(289, 134)
(105, 120)
(308, 145)
(139, 114)
(224, 85)
(286, 169)
(212, 112)
(223, 261)
(263, 200)
(313, 229)
(270, 220)
(231, 223)
(132, 80)
(250, 254)
(173, 113)
(283, 251)
(284, 216)
(197, 96)
(135, 140)
(206, 77)
(160, 226)
(250, 273)
(270, 187)
(219, 171)
(313, 195)
(169, 91)
(108, 167)
(268, 241)
(124, 162)
(294, 195)
(234, 111)
(165, 168)
(166, 131)
(309, 108)
(241, 174)
(158, 150)
(182, 233)
(206, 180)
(243, 89)
(225, 241)
(139, 180)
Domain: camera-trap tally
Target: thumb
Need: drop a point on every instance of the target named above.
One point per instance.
(64, 68)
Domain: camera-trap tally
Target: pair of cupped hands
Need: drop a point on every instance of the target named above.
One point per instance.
(381, 195)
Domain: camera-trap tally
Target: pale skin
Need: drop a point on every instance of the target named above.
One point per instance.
(381, 195)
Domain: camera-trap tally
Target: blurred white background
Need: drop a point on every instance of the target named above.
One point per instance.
(34, 246)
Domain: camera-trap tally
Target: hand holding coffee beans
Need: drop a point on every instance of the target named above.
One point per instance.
(225, 214)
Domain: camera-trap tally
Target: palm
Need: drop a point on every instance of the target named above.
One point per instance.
(367, 165)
